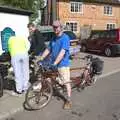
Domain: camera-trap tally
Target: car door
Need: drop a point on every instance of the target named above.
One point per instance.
(99, 44)
(91, 42)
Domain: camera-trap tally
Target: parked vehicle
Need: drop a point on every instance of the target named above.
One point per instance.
(103, 41)
(74, 46)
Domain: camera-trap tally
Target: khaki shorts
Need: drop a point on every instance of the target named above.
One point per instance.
(64, 74)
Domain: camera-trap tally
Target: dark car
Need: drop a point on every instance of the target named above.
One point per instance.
(74, 46)
(103, 41)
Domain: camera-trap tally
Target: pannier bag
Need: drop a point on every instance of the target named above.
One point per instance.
(97, 65)
(3, 70)
(5, 57)
(8, 84)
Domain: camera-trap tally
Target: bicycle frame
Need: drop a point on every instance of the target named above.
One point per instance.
(76, 82)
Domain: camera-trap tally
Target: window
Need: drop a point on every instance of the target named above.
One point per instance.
(110, 26)
(108, 10)
(95, 36)
(108, 35)
(113, 34)
(76, 7)
(72, 26)
(71, 35)
(102, 34)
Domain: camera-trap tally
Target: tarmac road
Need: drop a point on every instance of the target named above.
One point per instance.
(98, 102)
(10, 105)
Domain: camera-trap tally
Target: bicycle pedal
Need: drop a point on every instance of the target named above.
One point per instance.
(82, 87)
(83, 82)
(78, 89)
(58, 98)
(94, 80)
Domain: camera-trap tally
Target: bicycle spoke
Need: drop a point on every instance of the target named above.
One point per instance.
(46, 94)
(31, 97)
(38, 97)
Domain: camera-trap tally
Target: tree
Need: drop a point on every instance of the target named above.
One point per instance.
(33, 5)
(23, 4)
(38, 8)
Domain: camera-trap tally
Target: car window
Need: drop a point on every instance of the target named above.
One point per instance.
(107, 35)
(113, 34)
(102, 34)
(45, 36)
(48, 35)
(71, 35)
(51, 35)
(95, 36)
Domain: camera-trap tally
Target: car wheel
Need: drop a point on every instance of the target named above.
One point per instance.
(83, 48)
(108, 51)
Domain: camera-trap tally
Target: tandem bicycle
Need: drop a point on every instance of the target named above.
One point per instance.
(48, 83)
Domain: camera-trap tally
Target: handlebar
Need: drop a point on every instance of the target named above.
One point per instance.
(47, 67)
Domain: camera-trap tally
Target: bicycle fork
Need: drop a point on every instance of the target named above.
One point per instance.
(84, 77)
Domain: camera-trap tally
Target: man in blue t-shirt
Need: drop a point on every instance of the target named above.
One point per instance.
(58, 48)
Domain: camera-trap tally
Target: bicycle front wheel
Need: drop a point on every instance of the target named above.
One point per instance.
(39, 95)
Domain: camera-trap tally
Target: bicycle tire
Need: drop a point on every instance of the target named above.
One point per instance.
(89, 80)
(86, 80)
(42, 97)
(94, 79)
(1, 86)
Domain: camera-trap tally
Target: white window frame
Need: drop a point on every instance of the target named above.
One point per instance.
(113, 24)
(108, 10)
(72, 22)
(77, 7)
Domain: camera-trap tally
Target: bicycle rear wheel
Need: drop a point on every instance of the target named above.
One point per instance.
(39, 95)
(1, 86)
(93, 79)
(86, 79)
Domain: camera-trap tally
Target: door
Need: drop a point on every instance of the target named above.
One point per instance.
(92, 41)
(99, 44)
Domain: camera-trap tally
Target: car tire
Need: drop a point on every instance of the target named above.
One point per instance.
(108, 51)
(83, 48)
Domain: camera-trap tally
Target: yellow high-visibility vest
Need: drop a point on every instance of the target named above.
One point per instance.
(18, 45)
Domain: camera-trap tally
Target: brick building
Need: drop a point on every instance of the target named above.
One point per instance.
(99, 14)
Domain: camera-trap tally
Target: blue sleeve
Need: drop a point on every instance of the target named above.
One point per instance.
(66, 43)
(49, 46)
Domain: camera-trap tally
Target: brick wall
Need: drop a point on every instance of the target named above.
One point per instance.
(93, 14)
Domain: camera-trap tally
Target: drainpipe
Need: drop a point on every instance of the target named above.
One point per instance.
(44, 18)
(54, 10)
(49, 11)
(46, 15)
(57, 6)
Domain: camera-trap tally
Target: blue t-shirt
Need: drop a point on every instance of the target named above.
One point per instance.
(55, 46)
